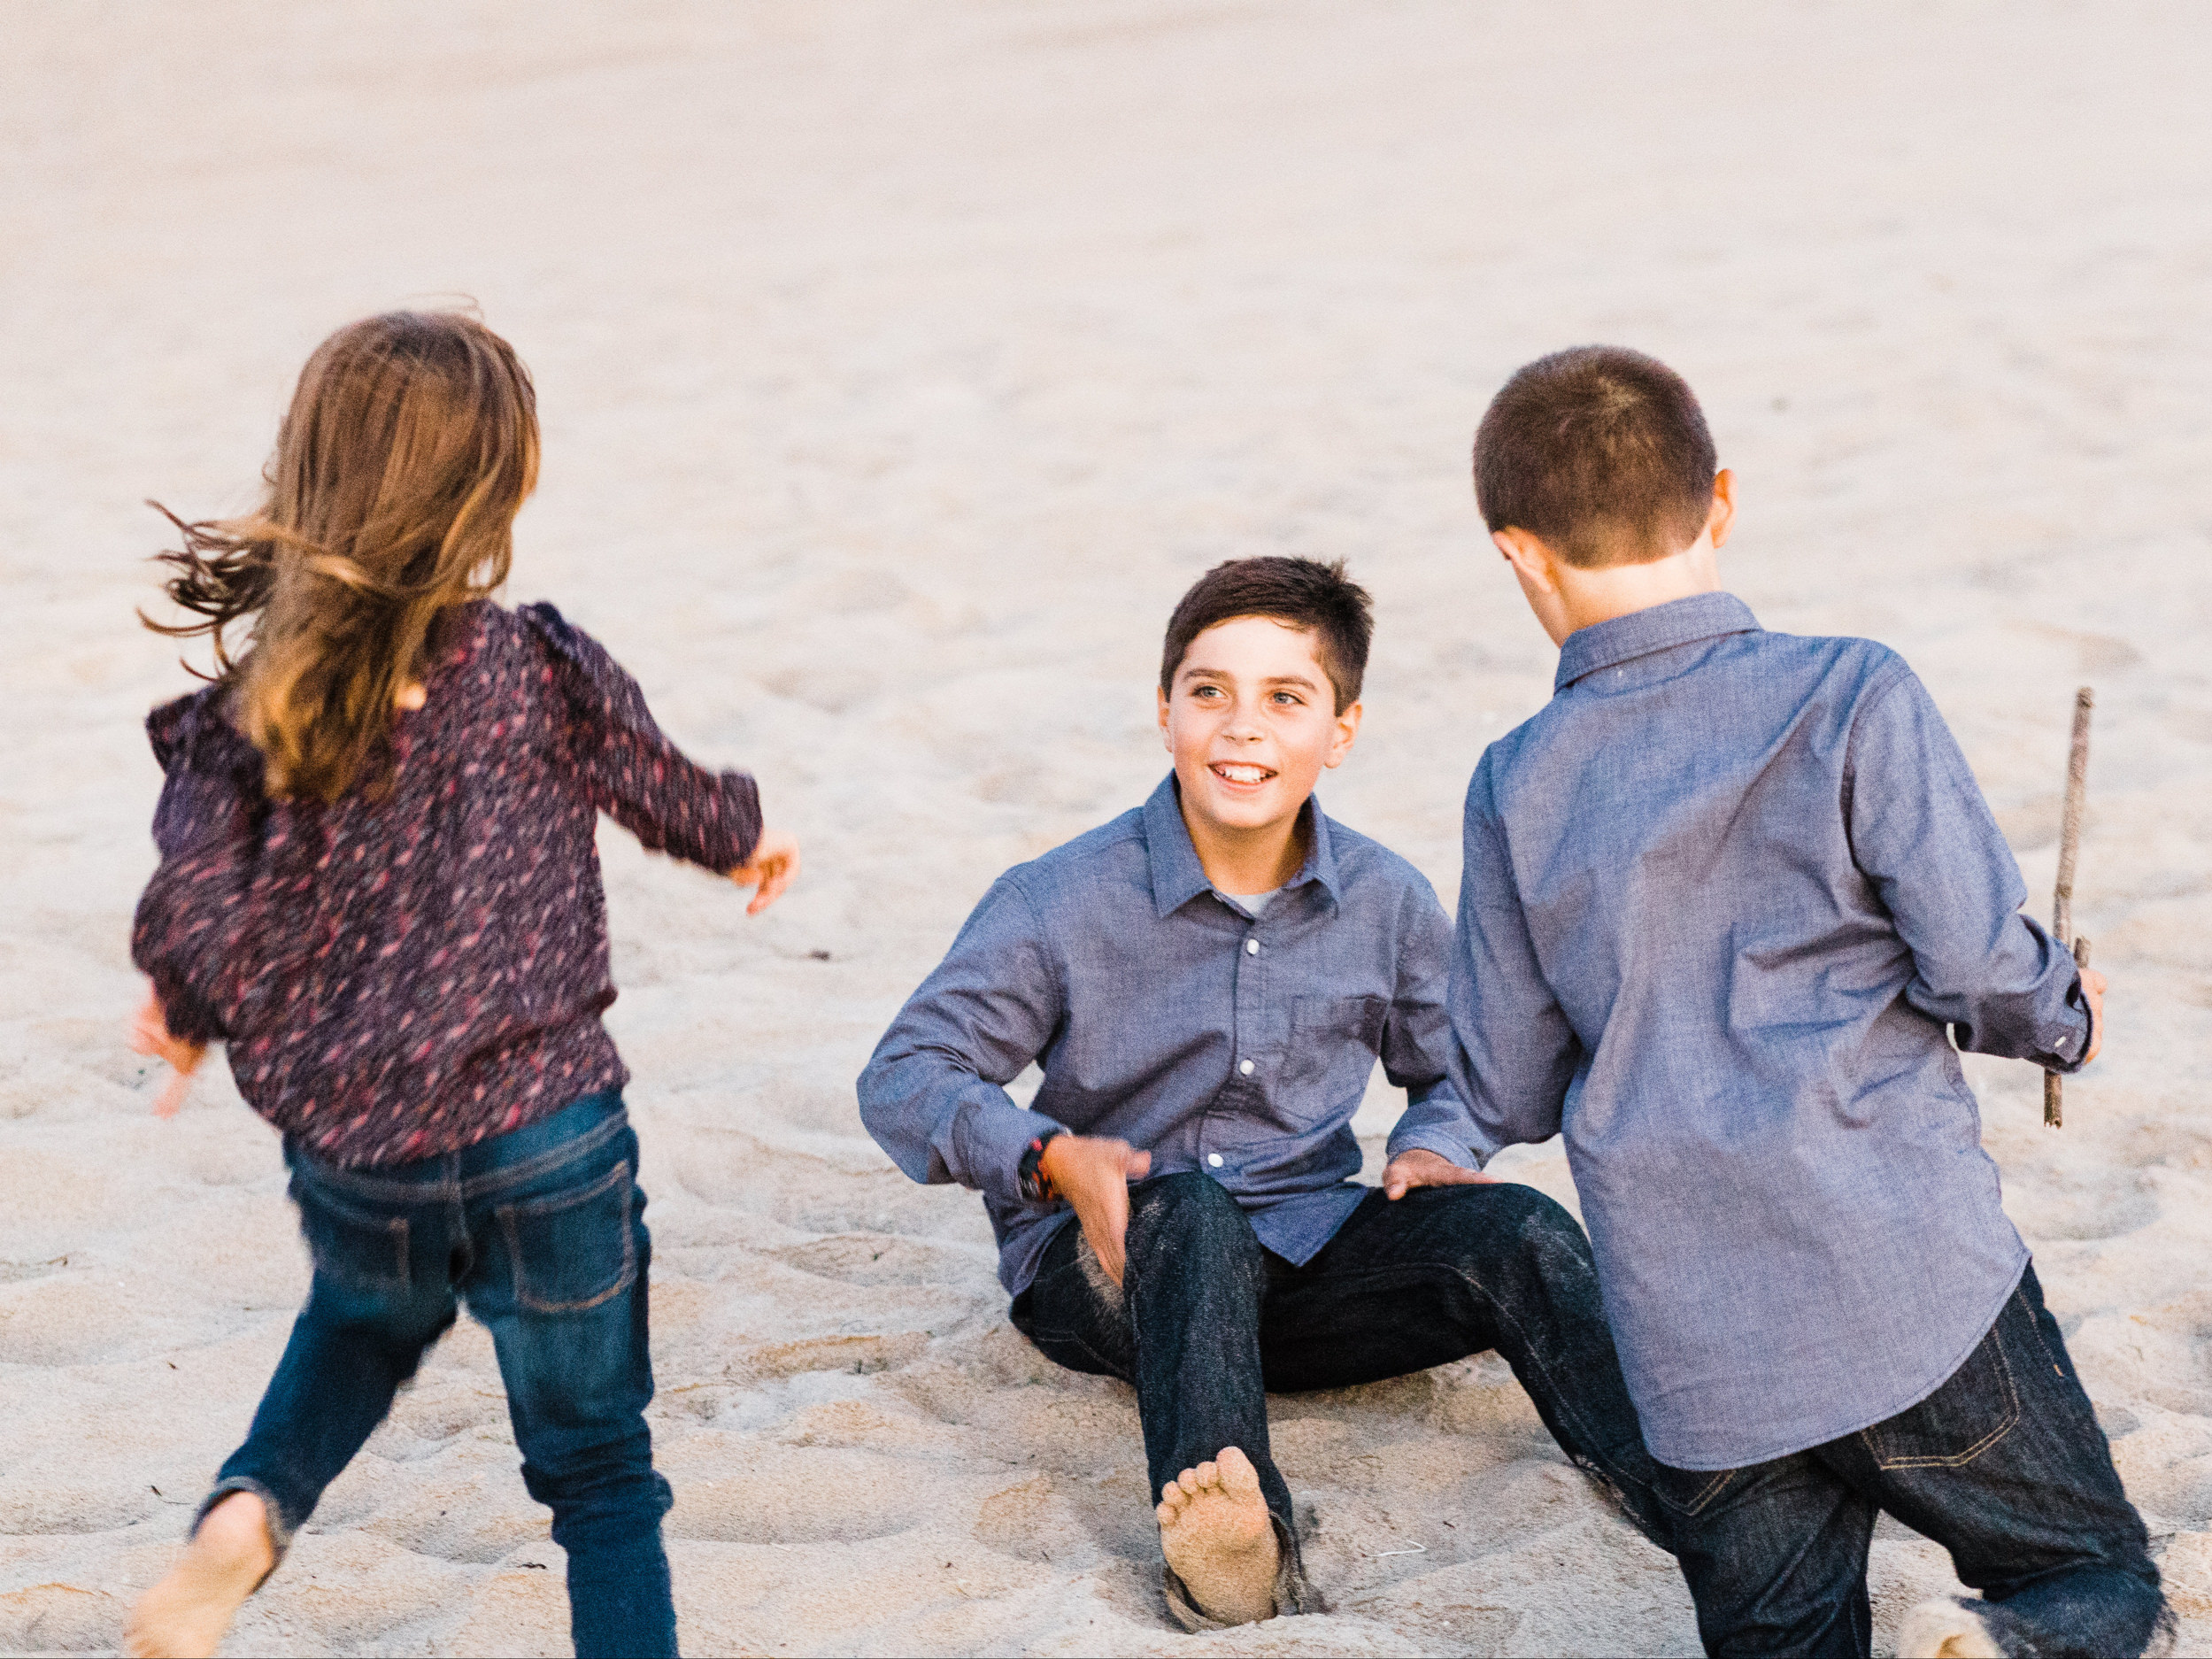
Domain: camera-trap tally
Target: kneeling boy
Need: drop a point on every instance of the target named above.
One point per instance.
(1207, 982)
(1727, 900)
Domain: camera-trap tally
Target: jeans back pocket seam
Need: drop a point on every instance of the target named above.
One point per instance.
(1960, 1460)
(508, 1213)
(1706, 1494)
(394, 1228)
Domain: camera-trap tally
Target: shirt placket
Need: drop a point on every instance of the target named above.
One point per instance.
(1247, 997)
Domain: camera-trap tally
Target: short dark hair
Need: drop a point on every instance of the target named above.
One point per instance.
(1302, 592)
(1601, 452)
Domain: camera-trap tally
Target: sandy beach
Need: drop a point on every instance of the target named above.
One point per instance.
(899, 365)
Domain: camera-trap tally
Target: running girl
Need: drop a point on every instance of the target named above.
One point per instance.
(378, 886)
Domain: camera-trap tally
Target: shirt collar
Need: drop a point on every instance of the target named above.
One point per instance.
(1639, 633)
(1177, 876)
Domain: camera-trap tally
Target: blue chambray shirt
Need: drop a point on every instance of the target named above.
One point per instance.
(1162, 1013)
(1723, 898)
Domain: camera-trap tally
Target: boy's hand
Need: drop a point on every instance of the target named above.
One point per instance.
(1419, 1167)
(2093, 989)
(150, 1034)
(774, 862)
(1093, 1174)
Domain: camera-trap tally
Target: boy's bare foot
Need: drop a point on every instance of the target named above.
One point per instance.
(1215, 1533)
(187, 1613)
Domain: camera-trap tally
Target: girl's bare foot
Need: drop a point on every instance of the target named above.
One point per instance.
(187, 1613)
(1216, 1534)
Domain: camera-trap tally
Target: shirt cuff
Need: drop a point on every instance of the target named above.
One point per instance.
(2071, 1047)
(190, 1017)
(992, 1144)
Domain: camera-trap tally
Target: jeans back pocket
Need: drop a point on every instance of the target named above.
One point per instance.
(1689, 1492)
(1973, 1411)
(575, 1250)
(355, 1249)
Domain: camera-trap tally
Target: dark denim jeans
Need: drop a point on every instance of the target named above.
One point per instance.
(2004, 1466)
(540, 1230)
(1209, 1322)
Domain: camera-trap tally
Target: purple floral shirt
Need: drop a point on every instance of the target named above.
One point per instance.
(403, 974)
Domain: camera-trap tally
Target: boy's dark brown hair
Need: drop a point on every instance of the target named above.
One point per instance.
(1302, 592)
(1600, 452)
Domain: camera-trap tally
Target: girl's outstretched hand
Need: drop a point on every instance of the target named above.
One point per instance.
(774, 862)
(150, 1034)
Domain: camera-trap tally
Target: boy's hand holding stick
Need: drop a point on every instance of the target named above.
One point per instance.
(2062, 902)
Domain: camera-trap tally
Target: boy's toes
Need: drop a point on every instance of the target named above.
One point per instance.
(1216, 1533)
(1235, 1472)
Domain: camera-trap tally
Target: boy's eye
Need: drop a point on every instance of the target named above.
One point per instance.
(1205, 691)
(1290, 698)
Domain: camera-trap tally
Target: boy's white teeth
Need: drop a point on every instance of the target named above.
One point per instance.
(1243, 774)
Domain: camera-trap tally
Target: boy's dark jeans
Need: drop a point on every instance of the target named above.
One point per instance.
(540, 1230)
(2004, 1466)
(1209, 1321)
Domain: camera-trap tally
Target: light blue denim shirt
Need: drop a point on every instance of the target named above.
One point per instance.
(1723, 898)
(1164, 1014)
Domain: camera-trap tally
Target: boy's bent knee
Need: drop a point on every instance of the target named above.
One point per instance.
(1187, 1221)
(1507, 1211)
(1189, 1206)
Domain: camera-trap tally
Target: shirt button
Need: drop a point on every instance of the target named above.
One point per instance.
(1213, 1158)
(1244, 1067)
(1252, 947)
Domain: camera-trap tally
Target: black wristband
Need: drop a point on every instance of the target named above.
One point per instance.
(1030, 1173)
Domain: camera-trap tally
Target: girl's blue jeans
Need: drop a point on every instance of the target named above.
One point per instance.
(541, 1232)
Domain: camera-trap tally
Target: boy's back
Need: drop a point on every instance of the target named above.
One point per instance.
(1755, 876)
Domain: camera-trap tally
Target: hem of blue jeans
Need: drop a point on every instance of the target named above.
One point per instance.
(1294, 1592)
(280, 1530)
(1712, 1464)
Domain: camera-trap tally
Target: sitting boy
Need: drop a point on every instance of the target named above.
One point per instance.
(1727, 900)
(1207, 982)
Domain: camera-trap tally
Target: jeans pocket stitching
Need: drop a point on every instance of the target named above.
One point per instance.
(394, 1228)
(1960, 1460)
(509, 1212)
(2035, 1325)
(1696, 1505)
(551, 1161)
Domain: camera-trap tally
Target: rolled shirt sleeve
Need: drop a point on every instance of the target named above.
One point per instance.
(933, 1093)
(1512, 1053)
(1923, 836)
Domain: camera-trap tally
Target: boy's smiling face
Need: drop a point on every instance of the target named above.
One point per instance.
(1252, 722)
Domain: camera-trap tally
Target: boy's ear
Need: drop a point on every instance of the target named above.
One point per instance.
(1723, 518)
(1346, 734)
(1531, 560)
(1167, 742)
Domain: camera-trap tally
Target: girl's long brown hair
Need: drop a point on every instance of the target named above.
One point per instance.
(410, 443)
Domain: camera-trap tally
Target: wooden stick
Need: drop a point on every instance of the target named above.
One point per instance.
(2062, 899)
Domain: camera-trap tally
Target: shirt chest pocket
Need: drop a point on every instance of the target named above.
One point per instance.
(1334, 1040)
